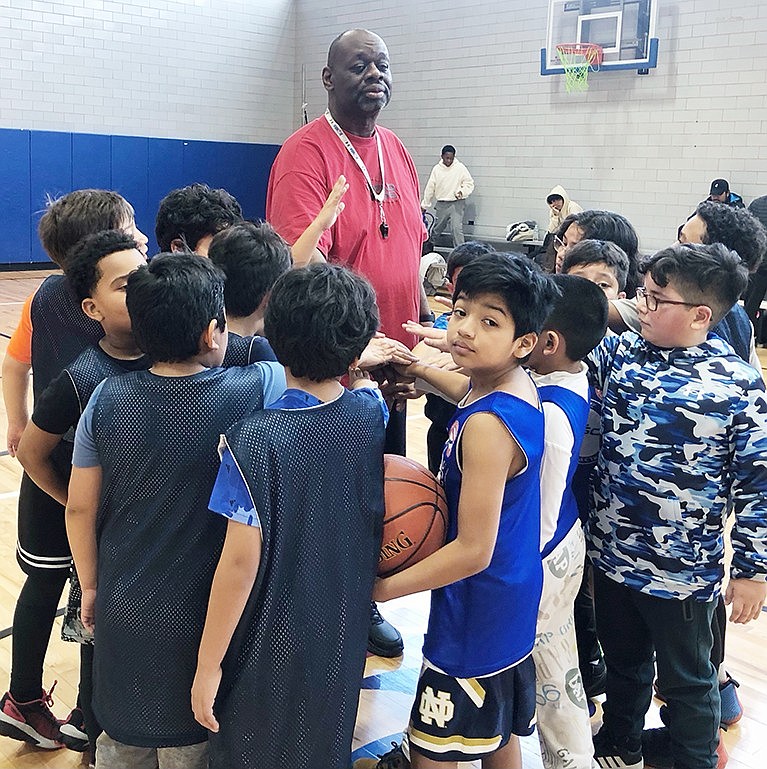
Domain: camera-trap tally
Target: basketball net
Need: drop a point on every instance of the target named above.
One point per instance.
(578, 59)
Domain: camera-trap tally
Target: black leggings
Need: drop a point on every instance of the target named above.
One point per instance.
(32, 625)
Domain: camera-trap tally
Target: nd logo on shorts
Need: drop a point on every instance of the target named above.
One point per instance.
(436, 709)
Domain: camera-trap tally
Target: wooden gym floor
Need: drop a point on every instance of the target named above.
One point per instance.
(388, 686)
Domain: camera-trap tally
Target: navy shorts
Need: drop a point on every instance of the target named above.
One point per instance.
(464, 719)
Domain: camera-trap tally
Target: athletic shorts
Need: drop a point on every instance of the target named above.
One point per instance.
(42, 544)
(464, 719)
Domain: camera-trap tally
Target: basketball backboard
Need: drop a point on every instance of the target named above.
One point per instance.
(624, 28)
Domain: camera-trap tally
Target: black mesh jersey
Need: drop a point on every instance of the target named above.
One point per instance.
(158, 545)
(60, 405)
(60, 330)
(243, 350)
(290, 688)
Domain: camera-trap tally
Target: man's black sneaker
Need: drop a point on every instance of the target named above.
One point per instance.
(383, 638)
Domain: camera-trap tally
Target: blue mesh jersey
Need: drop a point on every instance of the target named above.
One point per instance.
(244, 350)
(155, 439)
(684, 434)
(313, 473)
(485, 623)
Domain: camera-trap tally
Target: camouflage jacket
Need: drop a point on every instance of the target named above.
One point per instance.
(684, 442)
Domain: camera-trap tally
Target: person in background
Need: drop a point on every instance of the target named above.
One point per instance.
(449, 185)
(560, 207)
(720, 193)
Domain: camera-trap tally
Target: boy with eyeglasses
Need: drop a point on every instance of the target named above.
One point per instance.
(684, 423)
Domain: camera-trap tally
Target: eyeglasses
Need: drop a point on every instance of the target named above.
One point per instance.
(559, 244)
(653, 302)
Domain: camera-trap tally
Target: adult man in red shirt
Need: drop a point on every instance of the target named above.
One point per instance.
(380, 232)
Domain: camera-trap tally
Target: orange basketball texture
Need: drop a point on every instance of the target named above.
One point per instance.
(415, 519)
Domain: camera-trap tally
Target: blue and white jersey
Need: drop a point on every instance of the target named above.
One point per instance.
(486, 623)
(684, 434)
(565, 400)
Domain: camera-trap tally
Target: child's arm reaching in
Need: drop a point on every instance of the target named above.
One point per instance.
(235, 575)
(305, 249)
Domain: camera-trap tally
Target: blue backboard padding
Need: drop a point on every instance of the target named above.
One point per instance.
(35, 165)
(14, 196)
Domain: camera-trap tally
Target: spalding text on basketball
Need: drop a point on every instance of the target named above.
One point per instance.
(395, 546)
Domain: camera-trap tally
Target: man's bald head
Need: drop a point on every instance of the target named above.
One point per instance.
(350, 37)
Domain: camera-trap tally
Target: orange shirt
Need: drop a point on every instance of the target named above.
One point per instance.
(20, 346)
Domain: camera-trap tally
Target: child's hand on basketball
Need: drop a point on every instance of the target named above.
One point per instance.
(204, 690)
(433, 337)
(747, 597)
(88, 608)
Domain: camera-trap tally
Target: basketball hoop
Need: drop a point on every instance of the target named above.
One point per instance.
(578, 59)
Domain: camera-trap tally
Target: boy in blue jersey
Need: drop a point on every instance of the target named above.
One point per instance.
(574, 328)
(684, 434)
(97, 269)
(144, 545)
(476, 692)
(301, 492)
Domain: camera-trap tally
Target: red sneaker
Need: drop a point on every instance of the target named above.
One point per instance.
(31, 721)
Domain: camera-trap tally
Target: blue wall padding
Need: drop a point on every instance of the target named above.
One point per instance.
(35, 165)
(14, 197)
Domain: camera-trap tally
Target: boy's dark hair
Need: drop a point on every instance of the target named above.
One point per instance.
(736, 228)
(448, 148)
(579, 314)
(598, 252)
(527, 292)
(71, 217)
(253, 256)
(83, 260)
(710, 275)
(565, 226)
(466, 252)
(171, 301)
(190, 213)
(606, 225)
(319, 319)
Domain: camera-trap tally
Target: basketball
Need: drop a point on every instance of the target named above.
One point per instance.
(415, 517)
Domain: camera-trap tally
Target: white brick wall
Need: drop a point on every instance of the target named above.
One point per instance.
(467, 72)
(219, 70)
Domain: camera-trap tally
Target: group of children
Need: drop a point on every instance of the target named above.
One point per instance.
(678, 432)
(197, 573)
